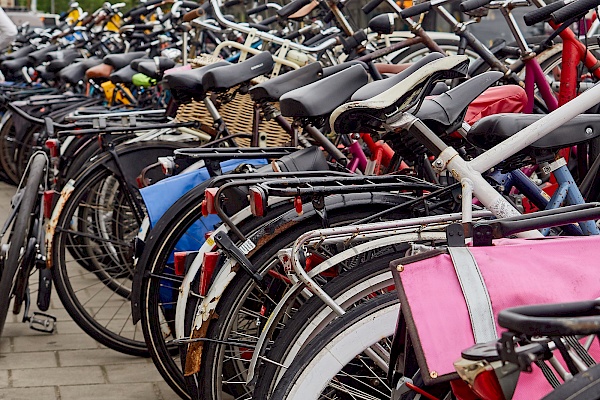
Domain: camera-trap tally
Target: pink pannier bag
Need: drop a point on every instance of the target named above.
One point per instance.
(512, 272)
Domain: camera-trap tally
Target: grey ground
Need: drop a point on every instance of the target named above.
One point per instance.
(68, 365)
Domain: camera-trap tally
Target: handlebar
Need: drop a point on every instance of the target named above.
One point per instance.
(370, 6)
(470, 5)
(415, 10)
(292, 7)
(573, 10)
(543, 14)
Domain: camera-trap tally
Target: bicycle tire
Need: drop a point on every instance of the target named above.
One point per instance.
(238, 300)
(583, 386)
(351, 286)
(19, 236)
(94, 229)
(7, 150)
(162, 240)
(345, 339)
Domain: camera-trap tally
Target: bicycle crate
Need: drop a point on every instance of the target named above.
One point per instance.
(237, 113)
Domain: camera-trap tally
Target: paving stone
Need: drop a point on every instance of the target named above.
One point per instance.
(12, 329)
(70, 358)
(166, 392)
(4, 379)
(57, 376)
(5, 345)
(77, 341)
(46, 359)
(132, 373)
(46, 393)
(133, 391)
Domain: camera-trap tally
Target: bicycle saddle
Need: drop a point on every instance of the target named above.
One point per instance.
(13, 66)
(154, 68)
(493, 129)
(119, 61)
(187, 85)
(59, 63)
(229, 76)
(62, 54)
(406, 94)
(76, 72)
(377, 87)
(22, 52)
(448, 109)
(43, 72)
(100, 71)
(273, 89)
(39, 56)
(124, 75)
(323, 96)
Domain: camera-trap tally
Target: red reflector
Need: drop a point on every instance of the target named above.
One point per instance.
(258, 201)
(210, 197)
(487, 387)
(140, 182)
(298, 205)
(179, 261)
(207, 234)
(53, 146)
(48, 201)
(208, 268)
(204, 208)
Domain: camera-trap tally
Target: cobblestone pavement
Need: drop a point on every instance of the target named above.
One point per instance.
(68, 365)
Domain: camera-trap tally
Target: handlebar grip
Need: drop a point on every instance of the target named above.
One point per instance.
(232, 3)
(470, 5)
(142, 27)
(258, 9)
(189, 16)
(370, 6)
(543, 14)
(192, 5)
(572, 10)
(292, 35)
(292, 7)
(268, 21)
(415, 10)
(259, 27)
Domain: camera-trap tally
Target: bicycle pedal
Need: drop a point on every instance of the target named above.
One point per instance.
(42, 322)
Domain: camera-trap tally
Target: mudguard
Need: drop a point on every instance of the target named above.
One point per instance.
(132, 157)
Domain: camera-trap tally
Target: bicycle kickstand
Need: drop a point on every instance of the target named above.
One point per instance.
(38, 321)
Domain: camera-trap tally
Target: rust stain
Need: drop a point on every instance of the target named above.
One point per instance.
(193, 360)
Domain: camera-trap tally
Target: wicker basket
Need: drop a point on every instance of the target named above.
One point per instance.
(237, 113)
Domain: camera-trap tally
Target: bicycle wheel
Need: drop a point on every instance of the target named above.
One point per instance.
(245, 307)
(160, 286)
(19, 237)
(7, 149)
(415, 52)
(335, 364)
(91, 251)
(349, 290)
(583, 386)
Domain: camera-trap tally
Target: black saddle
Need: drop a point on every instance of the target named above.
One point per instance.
(46, 75)
(58, 64)
(491, 130)
(447, 110)
(22, 52)
(323, 96)
(62, 54)
(10, 67)
(154, 68)
(76, 72)
(187, 85)
(39, 56)
(229, 76)
(377, 87)
(273, 89)
(124, 75)
(118, 61)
